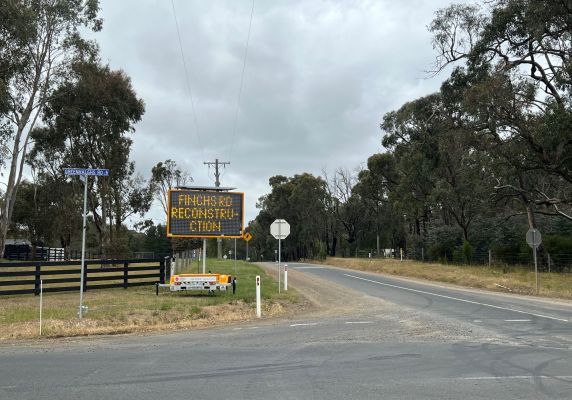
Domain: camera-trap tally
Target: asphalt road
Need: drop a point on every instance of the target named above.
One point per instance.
(403, 341)
(526, 320)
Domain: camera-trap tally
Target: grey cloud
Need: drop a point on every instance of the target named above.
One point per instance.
(319, 77)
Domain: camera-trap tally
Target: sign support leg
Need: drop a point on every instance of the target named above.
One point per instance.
(204, 256)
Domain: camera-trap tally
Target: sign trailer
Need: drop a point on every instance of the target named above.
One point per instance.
(204, 213)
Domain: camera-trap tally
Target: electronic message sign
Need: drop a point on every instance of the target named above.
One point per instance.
(205, 213)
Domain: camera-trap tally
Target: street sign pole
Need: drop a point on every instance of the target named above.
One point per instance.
(280, 229)
(279, 260)
(83, 174)
(84, 178)
(534, 239)
(535, 259)
(536, 269)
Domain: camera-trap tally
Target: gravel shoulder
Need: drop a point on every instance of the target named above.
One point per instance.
(324, 298)
(329, 302)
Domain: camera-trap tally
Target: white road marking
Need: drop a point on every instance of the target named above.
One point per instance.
(495, 378)
(309, 324)
(252, 327)
(457, 299)
(359, 322)
(477, 321)
(516, 320)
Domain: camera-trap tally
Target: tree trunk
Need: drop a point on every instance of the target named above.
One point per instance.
(531, 217)
(11, 189)
(334, 245)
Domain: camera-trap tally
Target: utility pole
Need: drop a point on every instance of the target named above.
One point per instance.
(216, 163)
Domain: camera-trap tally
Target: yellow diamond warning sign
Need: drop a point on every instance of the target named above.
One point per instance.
(247, 236)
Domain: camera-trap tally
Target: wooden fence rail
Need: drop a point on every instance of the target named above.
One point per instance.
(61, 276)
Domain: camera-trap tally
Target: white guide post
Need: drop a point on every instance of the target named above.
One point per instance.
(286, 277)
(258, 308)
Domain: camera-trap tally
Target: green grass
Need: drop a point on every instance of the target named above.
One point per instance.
(245, 280)
(138, 309)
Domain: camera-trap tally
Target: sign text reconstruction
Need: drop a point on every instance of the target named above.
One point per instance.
(199, 213)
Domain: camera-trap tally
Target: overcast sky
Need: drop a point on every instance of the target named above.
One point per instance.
(319, 77)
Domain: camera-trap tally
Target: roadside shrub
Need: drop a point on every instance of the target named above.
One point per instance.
(467, 252)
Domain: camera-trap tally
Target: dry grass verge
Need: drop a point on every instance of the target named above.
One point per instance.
(519, 280)
(138, 310)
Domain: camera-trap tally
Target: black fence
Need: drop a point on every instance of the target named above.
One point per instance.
(62, 276)
(23, 252)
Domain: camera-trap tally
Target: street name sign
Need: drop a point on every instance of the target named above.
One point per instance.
(86, 171)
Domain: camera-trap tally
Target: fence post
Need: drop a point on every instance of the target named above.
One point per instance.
(37, 279)
(161, 272)
(168, 262)
(85, 277)
(549, 262)
(125, 275)
(490, 257)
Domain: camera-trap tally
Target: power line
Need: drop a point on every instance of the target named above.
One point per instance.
(241, 82)
(216, 164)
(187, 80)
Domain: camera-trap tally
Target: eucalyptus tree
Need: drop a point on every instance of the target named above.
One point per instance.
(300, 200)
(440, 169)
(88, 121)
(39, 40)
(347, 208)
(411, 135)
(375, 183)
(517, 54)
(166, 175)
